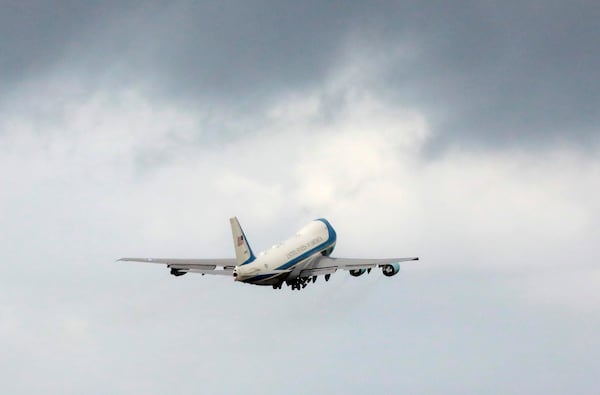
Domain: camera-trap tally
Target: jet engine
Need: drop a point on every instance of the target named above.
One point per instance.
(328, 251)
(357, 272)
(177, 272)
(391, 269)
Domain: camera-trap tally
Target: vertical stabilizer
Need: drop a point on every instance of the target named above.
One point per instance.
(243, 252)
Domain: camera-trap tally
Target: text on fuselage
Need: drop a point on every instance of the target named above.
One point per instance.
(304, 247)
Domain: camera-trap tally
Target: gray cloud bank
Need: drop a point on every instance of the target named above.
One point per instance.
(139, 129)
(495, 74)
(504, 300)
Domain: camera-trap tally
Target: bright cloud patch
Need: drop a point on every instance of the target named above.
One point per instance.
(123, 174)
(137, 162)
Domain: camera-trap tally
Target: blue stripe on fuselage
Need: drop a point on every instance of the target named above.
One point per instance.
(291, 263)
(330, 230)
(331, 239)
(261, 277)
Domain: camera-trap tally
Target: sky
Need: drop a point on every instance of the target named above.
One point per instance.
(466, 134)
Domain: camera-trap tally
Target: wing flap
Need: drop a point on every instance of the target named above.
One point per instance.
(222, 262)
(220, 272)
(356, 263)
(318, 272)
(193, 267)
(218, 266)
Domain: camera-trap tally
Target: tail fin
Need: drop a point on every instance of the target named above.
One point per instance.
(243, 252)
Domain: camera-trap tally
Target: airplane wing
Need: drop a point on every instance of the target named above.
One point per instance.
(181, 266)
(326, 265)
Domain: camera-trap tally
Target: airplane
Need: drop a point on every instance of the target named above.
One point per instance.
(296, 262)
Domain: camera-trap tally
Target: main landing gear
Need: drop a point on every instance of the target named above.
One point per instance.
(301, 283)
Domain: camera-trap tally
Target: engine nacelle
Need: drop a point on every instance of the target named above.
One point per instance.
(357, 272)
(177, 272)
(328, 251)
(391, 269)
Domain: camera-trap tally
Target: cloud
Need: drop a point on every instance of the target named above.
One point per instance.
(487, 75)
(139, 131)
(124, 161)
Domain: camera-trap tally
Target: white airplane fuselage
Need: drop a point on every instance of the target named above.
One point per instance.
(288, 258)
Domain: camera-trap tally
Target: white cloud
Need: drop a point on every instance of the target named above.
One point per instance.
(362, 168)
(120, 173)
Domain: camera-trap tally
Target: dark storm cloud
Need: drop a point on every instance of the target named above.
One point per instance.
(511, 73)
(37, 34)
(517, 73)
(103, 113)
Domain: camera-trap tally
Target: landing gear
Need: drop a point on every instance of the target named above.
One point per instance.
(299, 283)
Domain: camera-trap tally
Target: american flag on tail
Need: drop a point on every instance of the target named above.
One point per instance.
(240, 240)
